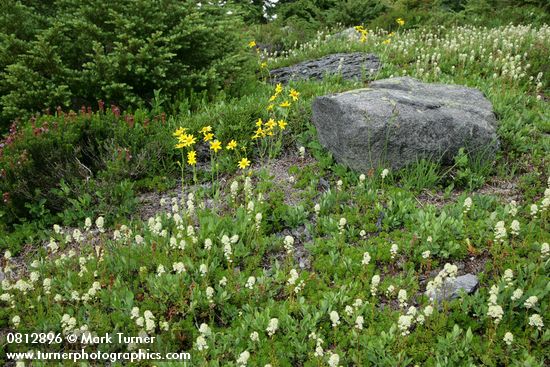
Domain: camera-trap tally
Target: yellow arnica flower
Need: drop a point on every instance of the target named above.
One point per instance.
(259, 123)
(208, 136)
(386, 42)
(391, 34)
(185, 140)
(206, 129)
(285, 104)
(252, 44)
(231, 145)
(270, 107)
(400, 21)
(272, 98)
(243, 163)
(190, 139)
(363, 33)
(180, 131)
(271, 123)
(260, 133)
(192, 157)
(215, 145)
(294, 94)
(278, 88)
(263, 65)
(282, 124)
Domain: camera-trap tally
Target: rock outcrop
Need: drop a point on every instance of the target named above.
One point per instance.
(397, 121)
(350, 66)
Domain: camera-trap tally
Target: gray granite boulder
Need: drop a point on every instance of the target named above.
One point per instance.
(451, 289)
(349, 65)
(398, 121)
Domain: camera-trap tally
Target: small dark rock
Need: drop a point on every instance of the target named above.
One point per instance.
(325, 186)
(451, 289)
(379, 221)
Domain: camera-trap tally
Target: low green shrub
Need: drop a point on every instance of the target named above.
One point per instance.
(233, 280)
(54, 161)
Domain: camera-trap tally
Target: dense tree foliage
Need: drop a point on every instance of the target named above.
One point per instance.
(68, 53)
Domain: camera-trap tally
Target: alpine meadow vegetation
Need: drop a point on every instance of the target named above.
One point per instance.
(157, 182)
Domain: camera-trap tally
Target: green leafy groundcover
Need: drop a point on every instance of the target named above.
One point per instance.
(215, 279)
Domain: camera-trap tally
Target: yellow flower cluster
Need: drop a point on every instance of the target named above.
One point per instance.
(185, 140)
(192, 157)
(363, 32)
(261, 62)
(267, 128)
(293, 94)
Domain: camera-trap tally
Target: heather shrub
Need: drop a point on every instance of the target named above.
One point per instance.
(51, 161)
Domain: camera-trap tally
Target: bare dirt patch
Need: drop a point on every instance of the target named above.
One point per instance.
(279, 168)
